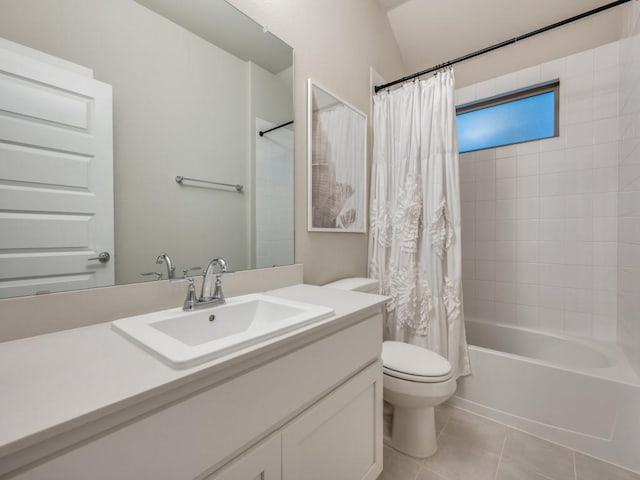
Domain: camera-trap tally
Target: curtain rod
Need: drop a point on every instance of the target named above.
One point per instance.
(275, 128)
(511, 41)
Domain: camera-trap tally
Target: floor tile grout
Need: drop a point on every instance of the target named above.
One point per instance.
(504, 465)
(553, 442)
(504, 442)
(443, 427)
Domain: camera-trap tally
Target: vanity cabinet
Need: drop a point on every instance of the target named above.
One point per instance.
(341, 436)
(310, 411)
(262, 462)
(337, 438)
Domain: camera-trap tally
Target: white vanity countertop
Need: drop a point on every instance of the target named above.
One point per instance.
(54, 383)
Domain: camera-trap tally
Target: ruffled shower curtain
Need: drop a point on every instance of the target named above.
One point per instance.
(414, 242)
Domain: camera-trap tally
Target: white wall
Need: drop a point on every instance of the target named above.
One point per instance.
(169, 119)
(560, 43)
(629, 196)
(335, 43)
(430, 33)
(539, 219)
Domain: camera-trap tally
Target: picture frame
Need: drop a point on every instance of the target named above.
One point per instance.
(336, 163)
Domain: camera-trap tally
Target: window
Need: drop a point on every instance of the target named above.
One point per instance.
(521, 116)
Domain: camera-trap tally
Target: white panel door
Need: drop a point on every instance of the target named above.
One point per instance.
(339, 438)
(56, 176)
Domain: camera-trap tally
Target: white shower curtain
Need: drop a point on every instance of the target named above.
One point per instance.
(414, 243)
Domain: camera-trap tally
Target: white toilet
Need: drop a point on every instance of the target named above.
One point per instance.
(415, 381)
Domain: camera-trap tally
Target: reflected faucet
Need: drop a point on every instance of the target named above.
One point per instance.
(171, 268)
(211, 291)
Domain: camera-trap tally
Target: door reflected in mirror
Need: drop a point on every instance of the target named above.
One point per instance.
(192, 85)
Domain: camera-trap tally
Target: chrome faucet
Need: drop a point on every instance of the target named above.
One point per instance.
(171, 268)
(208, 284)
(211, 291)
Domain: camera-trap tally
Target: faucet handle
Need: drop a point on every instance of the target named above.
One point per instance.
(185, 273)
(217, 293)
(192, 299)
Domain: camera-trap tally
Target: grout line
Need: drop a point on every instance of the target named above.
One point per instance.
(504, 443)
(536, 472)
(418, 472)
(443, 427)
(575, 468)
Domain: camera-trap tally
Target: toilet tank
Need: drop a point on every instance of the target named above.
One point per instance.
(357, 284)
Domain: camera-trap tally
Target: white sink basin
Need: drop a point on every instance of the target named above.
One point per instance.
(184, 339)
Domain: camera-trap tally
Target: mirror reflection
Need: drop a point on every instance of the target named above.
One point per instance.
(186, 87)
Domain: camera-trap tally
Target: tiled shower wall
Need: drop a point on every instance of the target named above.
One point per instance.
(629, 196)
(539, 219)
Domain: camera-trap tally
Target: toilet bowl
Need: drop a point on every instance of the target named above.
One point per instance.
(415, 380)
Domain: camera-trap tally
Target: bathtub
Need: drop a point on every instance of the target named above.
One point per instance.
(576, 393)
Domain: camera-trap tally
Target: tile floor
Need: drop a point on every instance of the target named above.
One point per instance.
(474, 448)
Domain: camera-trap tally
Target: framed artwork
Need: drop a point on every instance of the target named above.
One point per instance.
(337, 163)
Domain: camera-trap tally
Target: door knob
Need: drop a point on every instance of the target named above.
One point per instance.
(103, 257)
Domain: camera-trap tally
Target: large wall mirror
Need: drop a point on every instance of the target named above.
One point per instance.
(193, 83)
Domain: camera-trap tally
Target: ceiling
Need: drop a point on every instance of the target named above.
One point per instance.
(223, 25)
(429, 32)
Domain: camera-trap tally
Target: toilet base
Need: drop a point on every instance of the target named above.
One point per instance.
(413, 431)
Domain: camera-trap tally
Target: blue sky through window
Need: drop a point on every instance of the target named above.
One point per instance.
(515, 121)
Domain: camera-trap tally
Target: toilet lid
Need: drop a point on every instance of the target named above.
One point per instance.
(359, 284)
(413, 360)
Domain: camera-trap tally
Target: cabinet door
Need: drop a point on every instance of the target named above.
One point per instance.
(262, 462)
(340, 437)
